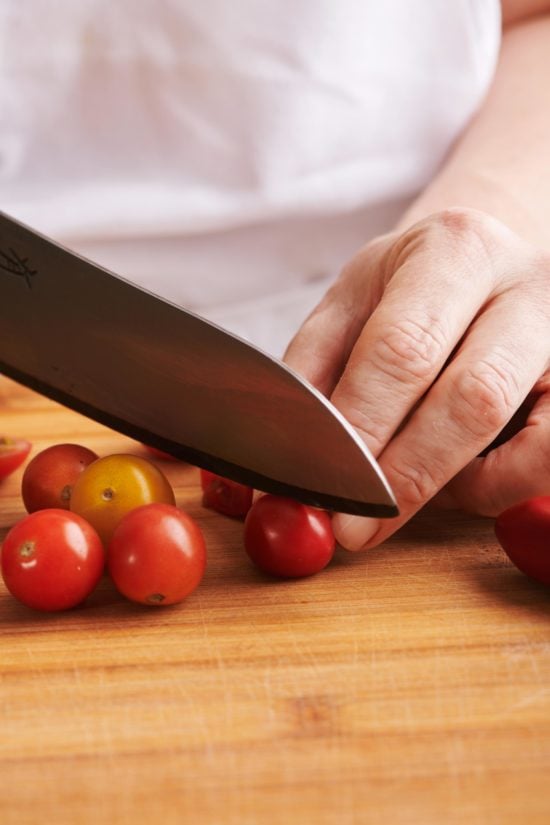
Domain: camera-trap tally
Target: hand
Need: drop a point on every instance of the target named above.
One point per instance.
(429, 343)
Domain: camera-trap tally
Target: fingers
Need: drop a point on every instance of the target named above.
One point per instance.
(321, 347)
(493, 371)
(425, 310)
(515, 471)
(383, 345)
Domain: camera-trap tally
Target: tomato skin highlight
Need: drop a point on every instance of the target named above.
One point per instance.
(225, 496)
(523, 532)
(50, 476)
(112, 486)
(13, 452)
(157, 555)
(288, 539)
(52, 560)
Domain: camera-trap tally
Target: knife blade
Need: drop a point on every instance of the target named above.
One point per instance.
(93, 341)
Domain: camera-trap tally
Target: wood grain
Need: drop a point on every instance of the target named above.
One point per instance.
(411, 685)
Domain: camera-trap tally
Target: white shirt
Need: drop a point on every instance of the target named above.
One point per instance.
(232, 156)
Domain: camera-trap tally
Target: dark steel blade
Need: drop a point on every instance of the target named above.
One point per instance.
(141, 365)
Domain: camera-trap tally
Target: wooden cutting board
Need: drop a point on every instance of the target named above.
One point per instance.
(409, 685)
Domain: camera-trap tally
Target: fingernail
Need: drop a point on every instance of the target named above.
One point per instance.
(353, 532)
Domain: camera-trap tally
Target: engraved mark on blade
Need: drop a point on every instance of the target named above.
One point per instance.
(13, 264)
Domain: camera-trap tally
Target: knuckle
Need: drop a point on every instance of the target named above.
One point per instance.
(411, 348)
(461, 222)
(486, 395)
(459, 218)
(474, 237)
(415, 483)
(371, 428)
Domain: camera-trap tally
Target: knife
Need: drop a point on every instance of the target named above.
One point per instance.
(93, 341)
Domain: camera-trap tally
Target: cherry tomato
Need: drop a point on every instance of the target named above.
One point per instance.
(112, 486)
(52, 560)
(49, 477)
(157, 555)
(524, 534)
(225, 496)
(286, 538)
(13, 452)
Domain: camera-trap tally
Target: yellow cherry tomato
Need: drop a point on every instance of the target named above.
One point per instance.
(112, 486)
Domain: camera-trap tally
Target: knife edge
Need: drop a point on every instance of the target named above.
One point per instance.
(198, 458)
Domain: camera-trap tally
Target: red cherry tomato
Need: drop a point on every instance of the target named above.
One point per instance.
(49, 477)
(524, 534)
(13, 452)
(225, 496)
(286, 538)
(52, 560)
(157, 555)
(113, 486)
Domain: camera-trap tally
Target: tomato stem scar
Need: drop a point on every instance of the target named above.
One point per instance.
(27, 549)
(156, 598)
(108, 494)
